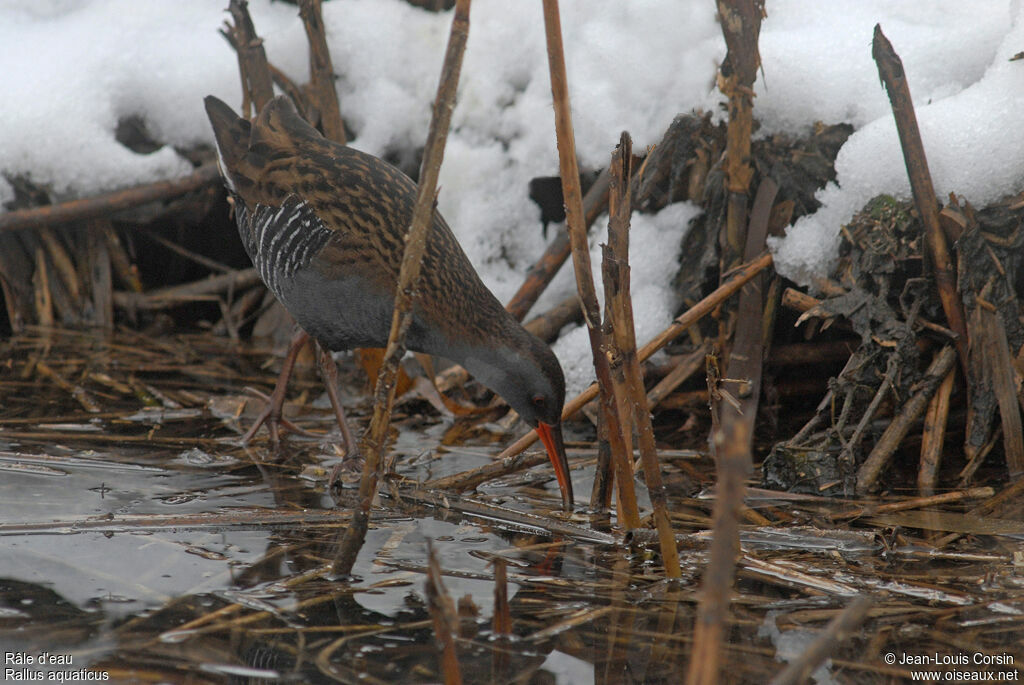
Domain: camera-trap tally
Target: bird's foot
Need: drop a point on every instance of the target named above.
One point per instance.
(271, 417)
(348, 471)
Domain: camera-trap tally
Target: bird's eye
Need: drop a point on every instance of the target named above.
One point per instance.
(538, 401)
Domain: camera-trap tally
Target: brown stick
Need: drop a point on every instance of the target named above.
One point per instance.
(321, 72)
(42, 291)
(257, 84)
(913, 503)
(187, 292)
(1008, 496)
(890, 70)
(100, 275)
(686, 367)
(446, 620)
(80, 394)
(933, 437)
(741, 24)
(501, 623)
(374, 440)
(631, 398)
(730, 441)
(511, 459)
(869, 471)
(837, 630)
(1000, 369)
(569, 170)
(108, 203)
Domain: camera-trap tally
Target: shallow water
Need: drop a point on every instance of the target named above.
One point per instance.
(146, 545)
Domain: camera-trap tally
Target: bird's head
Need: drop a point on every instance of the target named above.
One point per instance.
(533, 385)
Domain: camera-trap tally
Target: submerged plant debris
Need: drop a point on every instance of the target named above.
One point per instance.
(142, 541)
(879, 539)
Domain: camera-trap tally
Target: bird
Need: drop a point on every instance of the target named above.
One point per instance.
(325, 225)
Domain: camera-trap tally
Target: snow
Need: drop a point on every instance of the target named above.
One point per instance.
(73, 68)
(971, 139)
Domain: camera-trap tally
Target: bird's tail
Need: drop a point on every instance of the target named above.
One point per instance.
(232, 133)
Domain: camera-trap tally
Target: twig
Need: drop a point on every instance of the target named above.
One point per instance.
(837, 630)
(629, 382)
(501, 623)
(100, 274)
(202, 289)
(914, 503)
(890, 71)
(257, 85)
(999, 368)
(108, 203)
(446, 621)
(80, 394)
(892, 366)
(741, 24)
(511, 518)
(686, 366)
(933, 438)
(869, 471)
(321, 72)
(731, 443)
(374, 440)
(202, 260)
(569, 170)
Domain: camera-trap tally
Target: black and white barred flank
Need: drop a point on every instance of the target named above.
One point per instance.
(281, 240)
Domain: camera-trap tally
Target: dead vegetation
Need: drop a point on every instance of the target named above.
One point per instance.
(883, 411)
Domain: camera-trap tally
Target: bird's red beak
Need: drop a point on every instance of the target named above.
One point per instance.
(551, 436)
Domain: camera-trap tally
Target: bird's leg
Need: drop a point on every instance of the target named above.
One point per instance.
(329, 371)
(271, 414)
(350, 462)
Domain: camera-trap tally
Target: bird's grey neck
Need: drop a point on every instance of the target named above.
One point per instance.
(500, 368)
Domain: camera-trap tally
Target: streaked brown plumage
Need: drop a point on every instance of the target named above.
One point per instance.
(324, 225)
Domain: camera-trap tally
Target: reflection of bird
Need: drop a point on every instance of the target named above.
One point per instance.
(324, 225)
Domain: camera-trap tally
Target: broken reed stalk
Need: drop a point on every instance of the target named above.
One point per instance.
(375, 438)
(631, 398)
(512, 460)
(100, 273)
(688, 365)
(872, 467)
(998, 363)
(628, 512)
(108, 203)
(501, 623)
(171, 296)
(838, 629)
(913, 503)
(446, 620)
(741, 25)
(257, 84)
(890, 71)
(933, 438)
(1007, 498)
(730, 441)
(321, 72)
